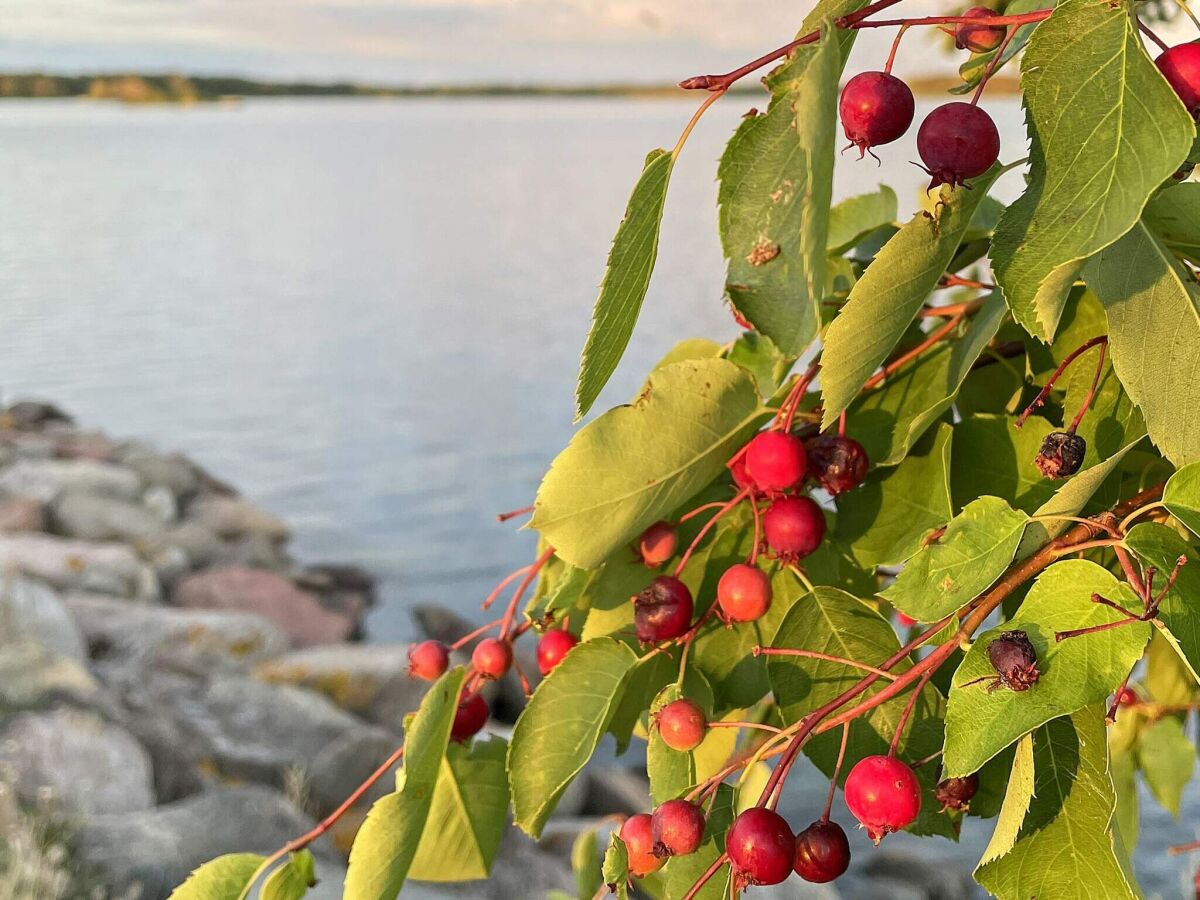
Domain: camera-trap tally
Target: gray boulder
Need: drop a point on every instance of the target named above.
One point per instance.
(45, 479)
(82, 565)
(335, 772)
(233, 517)
(32, 677)
(94, 517)
(32, 414)
(71, 443)
(22, 514)
(32, 609)
(173, 471)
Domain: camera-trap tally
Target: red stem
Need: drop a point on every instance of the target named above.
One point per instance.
(509, 613)
(513, 513)
(737, 498)
(1091, 394)
(908, 708)
(837, 769)
(1045, 391)
(934, 337)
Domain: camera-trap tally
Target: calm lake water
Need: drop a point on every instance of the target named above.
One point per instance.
(367, 314)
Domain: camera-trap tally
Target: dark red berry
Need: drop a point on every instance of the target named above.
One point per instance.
(552, 647)
(1128, 697)
(883, 794)
(957, 141)
(837, 463)
(638, 835)
(657, 544)
(978, 36)
(1180, 65)
(744, 593)
(663, 610)
(794, 527)
(681, 724)
(876, 108)
(775, 461)
(956, 793)
(492, 658)
(761, 846)
(822, 852)
(678, 828)
(428, 660)
(1014, 659)
(1061, 454)
(469, 718)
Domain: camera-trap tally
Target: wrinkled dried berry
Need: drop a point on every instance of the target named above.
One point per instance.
(663, 610)
(956, 793)
(837, 463)
(1015, 660)
(1061, 454)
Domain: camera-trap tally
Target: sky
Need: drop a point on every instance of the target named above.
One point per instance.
(414, 41)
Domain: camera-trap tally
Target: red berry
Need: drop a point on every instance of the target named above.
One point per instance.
(883, 794)
(822, 852)
(663, 610)
(469, 719)
(681, 724)
(775, 461)
(1127, 697)
(744, 593)
(978, 37)
(492, 657)
(1180, 65)
(957, 141)
(552, 647)
(741, 477)
(905, 620)
(678, 828)
(657, 544)
(876, 108)
(761, 846)
(794, 527)
(638, 835)
(837, 463)
(428, 660)
(956, 793)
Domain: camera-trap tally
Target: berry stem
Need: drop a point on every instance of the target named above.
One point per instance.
(895, 46)
(993, 64)
(842, 424)
(757, 532)
(1062, 367)
(837, 769)
(707, 876)
(504, 582)
(1091, 394)
(1178, 849)
(1188, 10)
(1029, 18)
(543, 558)
(759, 726)
(724, 510)
(934, 337)
(950, 280)
(1144, 29)
(513, 513)
(813, 654)
(471, 635)
(687, 129)
(1137, 513)
(795, 396)
(699, 509)
(908, 708)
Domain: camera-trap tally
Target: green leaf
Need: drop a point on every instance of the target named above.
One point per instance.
(585, 859)
(649, 676)
(291, 880)
(1166, 757)
(856, 217)
(1174, 215)
(626, 280)
(1182, 496)
(1016, 803)
(1075, 672)
(888, 421)
(1168, 677)
(1105, 131)
(977, 547)
(991, 457)
(1127, 815)
(388, 839)
(885, 301)
(776, 180)
(1153, 329)
(636, 464)
(1065, 849)
(885, 521)
(758, 354)
(223, 878)
(467, 815)
(559, 730)
(1158, 546)
(688, 349)
(616, 868)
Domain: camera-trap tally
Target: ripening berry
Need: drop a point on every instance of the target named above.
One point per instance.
(681, 725)
(744, 593)
(657, 544)
(678, 828)
(822, 852)
(794, 527)
(1180, 65)
(761, 846)
(663, 610)
(552, 647)
(741, 477)
(904, 620)
(957, 141)
(1127, 697)
(956, 793)
(775, 461)
(428, 660)
(469, 718)
(492, 657)
(875, 108)
(978, 37)
(1014, 659)
(883, 794)
(638, 835)
(838, 463)
(1061, 454)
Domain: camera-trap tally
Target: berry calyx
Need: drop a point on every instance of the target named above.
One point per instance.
(978, 37)
(837, 463)
(761, 846)
(875, 108)
(469, 718)
(428, 660)
(678, 828)
(744, 593)
(1015, 661)
(957, 141)
(663, 610)
(657, 544)
(638, 836)
(552, 647)
(794, 527)
(1061, 454)
(681, 725)
(492, 657)
(883, 794)
(822, 852)
(1128, 697)
(775, 461)
(956, 793)
(1180, 65)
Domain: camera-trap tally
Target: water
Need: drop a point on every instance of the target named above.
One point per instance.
(366, 314)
